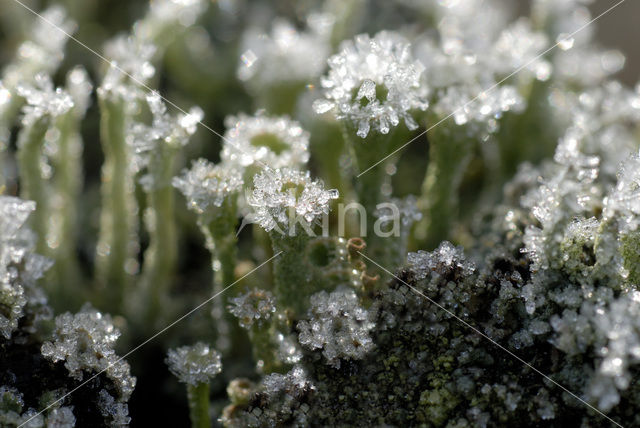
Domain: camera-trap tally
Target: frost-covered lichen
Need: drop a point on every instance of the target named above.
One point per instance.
(373, 83)
(84, 341)
(194, 364)
(338, 325)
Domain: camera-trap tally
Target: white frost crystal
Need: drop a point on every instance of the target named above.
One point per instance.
(338, 325)
(206, 185)
(261, 140)
(256, 306)
(194, 364)
(84, 342)
(61, 417)
(282, 195)
(373, 83)
(283, 56)
(623, 202)
(116, 411)
(174, 131)
(43, 99)
(19, 266)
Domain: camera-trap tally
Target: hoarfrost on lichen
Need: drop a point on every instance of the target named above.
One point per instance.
(194, 364)
(84, 341)
(261, 140)
(338, 325)
(256, 306)
(185, 12)
(282, 195)
(373, 83)
(282, 56)
(206, 185)
(426, 264)
(43, 99)
(61, 417)
(116, 412)
(164, 129)
(19, 266)
(623, 203)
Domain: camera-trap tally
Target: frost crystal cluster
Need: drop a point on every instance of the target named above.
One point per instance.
(43, 100)
(374, 83)
(256, 306)
(338, 325)
(263, 141)
(206, 185)
(194, 364)
(84, 342)
(20, 267)
(281, 196)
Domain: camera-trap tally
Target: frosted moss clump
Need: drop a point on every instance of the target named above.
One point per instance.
(282, 195)
(261, 141)
(207, 185)
(373, 83)
(84, 342)
(282, 56)
(338, 325)
(256, 306)
(195, 364)
(19, 266)
(43, 100)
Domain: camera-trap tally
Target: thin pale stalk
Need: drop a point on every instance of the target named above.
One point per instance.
(198, 397)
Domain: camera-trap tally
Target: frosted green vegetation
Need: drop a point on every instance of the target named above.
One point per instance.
(381, 214)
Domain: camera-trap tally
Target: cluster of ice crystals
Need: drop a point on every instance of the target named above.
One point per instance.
(61, 417)
(282, 57)
(275, 383)
(260, 140)
(338, 325)
(164, 129)
(206, 185)
(130, 66)
(43, 99)
(282, 195)
(115, 411)
(19, 266)
(619, 325)
(425, 264)
(84, 341)
(373, 83)
(256, 306)
(194, 364)
(623, 203)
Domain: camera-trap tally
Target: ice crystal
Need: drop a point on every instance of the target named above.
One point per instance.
(283, 195)
(373, 83)
(206, 185)
(130, 66)
(164, 129)
(61, 417)
(43, 100)
(261, 140)
(19, 266)
(338, 325)
(84, 342)
(426, 264)
(282, 57)
(194, 364)
(624, 201)
(256, 306)
(116, 412)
